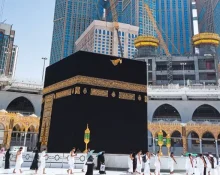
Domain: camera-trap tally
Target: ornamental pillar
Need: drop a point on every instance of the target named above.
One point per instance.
(184, 140)
(5, 137)
(185, 148)
(25, 137)
(200, 144)
(153, 144)
(216, 146)
(8, 142)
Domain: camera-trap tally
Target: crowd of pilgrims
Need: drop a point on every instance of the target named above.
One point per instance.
(19, 160)
(198, 165)
(88, 165)
(202, 165)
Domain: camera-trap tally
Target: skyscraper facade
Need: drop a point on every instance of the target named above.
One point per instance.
(71, 18)
(108, 13)
(133, 12)
(175, 21)
(208, 17)
(8, 51)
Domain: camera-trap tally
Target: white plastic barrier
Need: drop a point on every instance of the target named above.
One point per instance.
(54, 160)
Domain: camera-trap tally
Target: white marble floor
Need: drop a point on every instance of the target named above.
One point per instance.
(59, 171)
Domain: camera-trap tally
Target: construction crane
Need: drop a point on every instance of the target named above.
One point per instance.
(115, 23)
(162, 44)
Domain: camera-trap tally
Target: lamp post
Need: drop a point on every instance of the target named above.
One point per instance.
(148, 64)
(160, 141)
(44, 58)
(87, 138)
(183, 64)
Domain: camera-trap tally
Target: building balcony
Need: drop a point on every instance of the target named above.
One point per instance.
(176, 72)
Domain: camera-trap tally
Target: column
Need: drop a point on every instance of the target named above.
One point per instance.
(25, 137)
(20, 137)
(185, 148)
(196, 63)
(154, 79)
(5, 137)
(8, 142)
(16, 138)
(31, 141)
(216, 146)
(200, 144)
(153, 145)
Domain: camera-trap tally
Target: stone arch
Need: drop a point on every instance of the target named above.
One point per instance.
(191, 131)
(31, 129)
(22, 105)
(174, 131)
(176, 138)
(166, 112)
(193, 141)
(208, 138)
(206, 112)
(17, 127)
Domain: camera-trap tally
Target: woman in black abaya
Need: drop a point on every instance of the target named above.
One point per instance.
(102, 163)
(34, 165)
(90, 166)
(7, 159)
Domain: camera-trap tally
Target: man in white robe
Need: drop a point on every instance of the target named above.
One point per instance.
(157, 163)
(139, 162)
(130, 163)
(189, 165)
(214, 170)
(201, 164)
(208, 164)
(147, 164)
(43, 161)
(171, 163)
(19, 160)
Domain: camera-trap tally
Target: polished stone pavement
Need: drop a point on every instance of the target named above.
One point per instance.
(59, 171)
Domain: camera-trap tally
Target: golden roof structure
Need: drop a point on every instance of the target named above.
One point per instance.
(206, 38)
(142, 41)
(17, 121)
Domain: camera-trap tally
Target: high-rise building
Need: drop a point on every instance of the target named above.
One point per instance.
(175, 21)
(101, 37)
(133, 12)
(8, 51)
(13, 61)
(108, 13)
(71, 18)
(208, 17)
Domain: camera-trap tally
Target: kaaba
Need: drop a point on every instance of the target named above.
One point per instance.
(106, 93)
